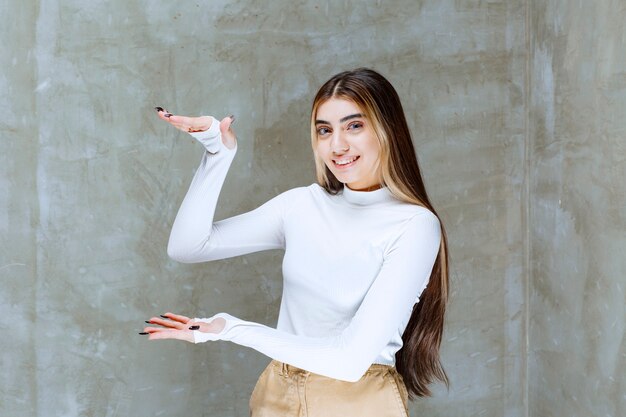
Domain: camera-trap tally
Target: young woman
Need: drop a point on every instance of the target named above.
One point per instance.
(359, 329)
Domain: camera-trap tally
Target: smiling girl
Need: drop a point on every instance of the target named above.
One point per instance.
(365, 276)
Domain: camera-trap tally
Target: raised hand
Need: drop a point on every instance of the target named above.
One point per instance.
(175, 326)
(200, 124)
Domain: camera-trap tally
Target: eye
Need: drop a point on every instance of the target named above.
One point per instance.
(355, 125)
(322, 131)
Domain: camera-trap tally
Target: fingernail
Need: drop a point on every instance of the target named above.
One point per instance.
(143, 333)
(232, 118)
(165, 317)
(194, 328)
(148, 322)
(159, 108)
(167, 114)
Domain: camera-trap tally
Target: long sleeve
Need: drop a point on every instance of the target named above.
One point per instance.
(195, 237)
(404, 274)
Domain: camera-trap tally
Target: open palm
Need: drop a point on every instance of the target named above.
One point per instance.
(175, 326)
(200, 124)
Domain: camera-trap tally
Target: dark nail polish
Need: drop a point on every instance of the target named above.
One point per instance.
(167, 114)
(194, 328)
(165, 317)
(148, 322)
(159, 108)
(143, 333)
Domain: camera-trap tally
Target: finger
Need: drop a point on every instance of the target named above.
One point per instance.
(177, 317)
(162, 113)
(228, 136)
(226, 123)
(201, 326)
(185, 335)
(176, 121)
(179, 122)
(191, 124)
(166, 323)
(153, 329)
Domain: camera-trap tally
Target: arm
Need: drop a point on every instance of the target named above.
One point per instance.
(403, 276)
(195, 237)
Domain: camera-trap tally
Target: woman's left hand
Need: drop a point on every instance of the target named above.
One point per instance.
(174, 326)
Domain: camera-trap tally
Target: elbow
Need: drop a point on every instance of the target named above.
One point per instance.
(355, 374)
(353, 377)
(188, 251)
(351, 366)
(182, 251)
(178, 253)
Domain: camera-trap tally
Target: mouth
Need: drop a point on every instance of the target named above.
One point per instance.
(345, 162)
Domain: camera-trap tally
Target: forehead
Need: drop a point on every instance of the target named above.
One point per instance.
(334, 109)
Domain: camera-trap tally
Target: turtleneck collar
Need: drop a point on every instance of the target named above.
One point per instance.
(365, 198)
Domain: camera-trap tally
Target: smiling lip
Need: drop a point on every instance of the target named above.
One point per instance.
(340, 166)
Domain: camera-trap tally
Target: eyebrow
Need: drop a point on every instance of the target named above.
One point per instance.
(343, 119)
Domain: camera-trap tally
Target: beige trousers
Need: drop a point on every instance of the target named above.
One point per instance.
(286, 391)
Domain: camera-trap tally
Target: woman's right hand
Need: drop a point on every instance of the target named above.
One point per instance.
(180, 327)
(200, 124)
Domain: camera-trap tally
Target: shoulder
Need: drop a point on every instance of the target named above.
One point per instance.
(421, 213)
(298, 192)
(412, 212)
(296, 197)
(423, 223)
(419, 231)
(314, 191)
(418, 221)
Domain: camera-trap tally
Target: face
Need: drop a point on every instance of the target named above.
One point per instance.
(347, 144)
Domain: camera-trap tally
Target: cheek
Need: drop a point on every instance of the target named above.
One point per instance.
(374, 148)
(321, 150)
(320, 156)
(372, 151)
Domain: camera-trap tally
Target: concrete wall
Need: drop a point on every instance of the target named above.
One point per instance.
(578, 210)
(91, 180)
(19, 213)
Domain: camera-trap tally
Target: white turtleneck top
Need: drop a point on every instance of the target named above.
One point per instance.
(355, 264)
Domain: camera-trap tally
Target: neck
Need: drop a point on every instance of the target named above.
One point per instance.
(380, 195)
(370, 188)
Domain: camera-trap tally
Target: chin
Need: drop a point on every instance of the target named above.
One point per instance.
(343, 179)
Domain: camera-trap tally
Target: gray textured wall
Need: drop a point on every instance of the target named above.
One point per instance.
(578, 210)
(91, 180)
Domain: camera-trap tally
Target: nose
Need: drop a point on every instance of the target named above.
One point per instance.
(338, 143)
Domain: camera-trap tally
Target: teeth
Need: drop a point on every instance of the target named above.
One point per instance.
(345, 161)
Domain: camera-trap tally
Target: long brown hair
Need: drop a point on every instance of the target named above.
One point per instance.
(418, 360)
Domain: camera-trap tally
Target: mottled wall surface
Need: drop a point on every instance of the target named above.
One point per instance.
(18, 213)
(91, 181)
(464, 93)
(578, 210)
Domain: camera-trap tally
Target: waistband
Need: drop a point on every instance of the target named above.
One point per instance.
(285, 368)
